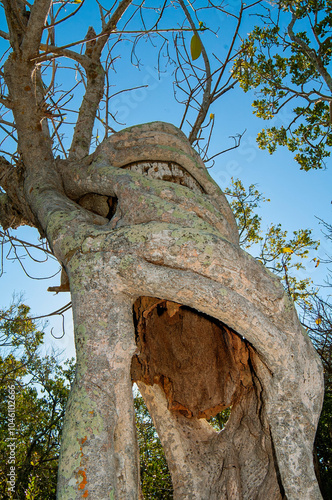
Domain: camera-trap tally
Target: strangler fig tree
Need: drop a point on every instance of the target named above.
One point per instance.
(162, 294)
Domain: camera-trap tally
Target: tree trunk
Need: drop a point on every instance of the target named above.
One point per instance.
(177, 246)
(161, 276)
(99, 456)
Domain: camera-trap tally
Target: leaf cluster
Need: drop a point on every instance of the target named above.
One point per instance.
(275, 248)
(287, 67)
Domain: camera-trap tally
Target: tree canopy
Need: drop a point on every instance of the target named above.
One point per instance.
(40, 385)
(287, 59)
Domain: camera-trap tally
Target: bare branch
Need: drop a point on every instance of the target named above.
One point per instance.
(42, 247)
(16, 21)
(110, 26)
(4, 35)
(237, 141)
(207, 90)
(95, 75)
(229, 54)
(9, 124)
(54, 23)
(95, 84)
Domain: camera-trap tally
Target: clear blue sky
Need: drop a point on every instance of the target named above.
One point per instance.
(297, 197)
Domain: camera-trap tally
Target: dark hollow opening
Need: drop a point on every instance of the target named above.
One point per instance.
(201, 364)
(205, 368)
(99, 204)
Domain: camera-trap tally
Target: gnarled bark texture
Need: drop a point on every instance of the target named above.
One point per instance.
(213, 329)
(163, 294)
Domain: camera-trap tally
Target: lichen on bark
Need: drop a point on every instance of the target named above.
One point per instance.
(161, 293)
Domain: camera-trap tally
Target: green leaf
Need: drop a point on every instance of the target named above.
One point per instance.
(195, 47)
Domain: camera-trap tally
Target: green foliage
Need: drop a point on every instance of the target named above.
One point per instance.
(287, 66)
(282, 254)
(41, 388)
(323, 443)
(244, 205)
(155, 478)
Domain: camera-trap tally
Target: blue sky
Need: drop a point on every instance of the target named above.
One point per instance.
(298, 198)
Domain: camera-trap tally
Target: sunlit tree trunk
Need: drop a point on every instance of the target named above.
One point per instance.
(162, 294)
(177, 246)
(99, 455)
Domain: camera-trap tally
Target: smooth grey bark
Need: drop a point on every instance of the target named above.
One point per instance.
(99, 454)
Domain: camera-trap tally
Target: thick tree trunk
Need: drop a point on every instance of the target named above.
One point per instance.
(177, 245)
(169, 238)
(99, 456)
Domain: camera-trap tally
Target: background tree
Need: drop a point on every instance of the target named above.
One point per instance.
(41, 391)
(285, 257)
(40, 478)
